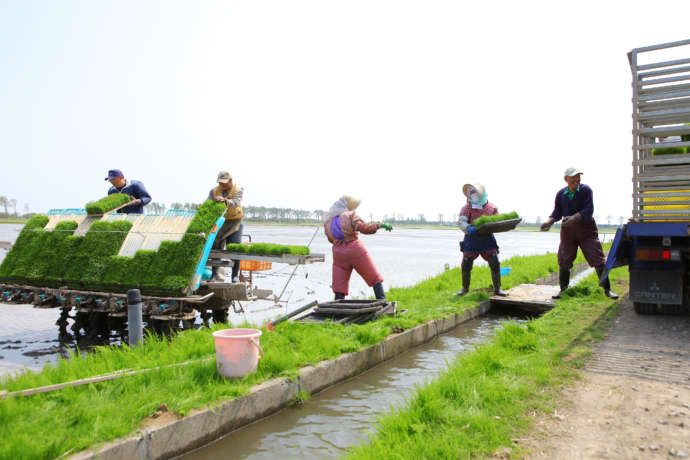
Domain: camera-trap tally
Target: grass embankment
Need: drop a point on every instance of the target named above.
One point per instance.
(484, 399)
(13, 220)
(50, 424)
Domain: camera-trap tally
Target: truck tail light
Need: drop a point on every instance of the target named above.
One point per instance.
(672, 255)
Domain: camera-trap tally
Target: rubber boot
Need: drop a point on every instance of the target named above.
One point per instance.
(217, 274)
(606, 284)
(495, 267)
(235, 271)
(466, 275)
(339, 296)
(378, 291)
(563, 280)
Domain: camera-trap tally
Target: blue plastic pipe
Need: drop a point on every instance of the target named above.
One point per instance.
(201, 265)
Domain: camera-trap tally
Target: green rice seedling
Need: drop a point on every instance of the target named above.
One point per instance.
(267, 249)
(206, 216)
(17, 262)
(234, 247)
(172, 268)
(495, 218)
(88, 265)
(117, 270)
(107, 203)
(668, 150)
(50, 246)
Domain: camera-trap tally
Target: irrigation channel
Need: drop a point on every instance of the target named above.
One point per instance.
(29, 336)
(340, 417)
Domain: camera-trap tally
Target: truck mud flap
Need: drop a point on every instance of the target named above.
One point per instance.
(656, 286)
(619, 255)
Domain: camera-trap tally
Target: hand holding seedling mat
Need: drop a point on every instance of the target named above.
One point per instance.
(108, 203)
(496, 223)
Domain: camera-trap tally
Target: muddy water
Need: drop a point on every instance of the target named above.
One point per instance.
(29, 337)
(340, 417)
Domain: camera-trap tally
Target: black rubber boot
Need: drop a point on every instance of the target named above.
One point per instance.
(466, 275)
(215, 276)
(606, 284)
(563, 280)
(235, 271)
(339, 296)
(495, 267)
(378, 291)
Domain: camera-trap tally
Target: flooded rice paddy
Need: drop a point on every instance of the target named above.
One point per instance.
(29, 336)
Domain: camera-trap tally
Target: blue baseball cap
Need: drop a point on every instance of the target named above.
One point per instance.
(113, 173)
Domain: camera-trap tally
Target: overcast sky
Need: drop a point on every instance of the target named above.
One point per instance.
(397, 102)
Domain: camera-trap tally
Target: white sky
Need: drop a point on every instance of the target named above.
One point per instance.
(397, 102)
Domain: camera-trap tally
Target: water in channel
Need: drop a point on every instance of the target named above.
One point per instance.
(341, 417)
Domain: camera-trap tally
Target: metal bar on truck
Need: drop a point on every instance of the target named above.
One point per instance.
(664, 131)
(663, 202)
(666, 104)
(655, 195)
(685, 177)
(658, 81)
(665, 186)
(666, 161)
(666, 212)
(661, 46)
(664, 92)
(661, 145)
(657, 73)
(658, 65)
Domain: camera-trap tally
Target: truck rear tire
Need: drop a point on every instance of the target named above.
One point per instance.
(643, 308)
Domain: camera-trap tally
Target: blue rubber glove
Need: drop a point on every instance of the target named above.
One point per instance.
(471, 230)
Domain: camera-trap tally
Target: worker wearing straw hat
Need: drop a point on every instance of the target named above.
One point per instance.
(473, 245)
(342, 226)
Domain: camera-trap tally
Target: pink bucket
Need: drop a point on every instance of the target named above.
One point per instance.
(237, 351)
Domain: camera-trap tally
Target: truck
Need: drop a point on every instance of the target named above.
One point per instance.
(655, 243)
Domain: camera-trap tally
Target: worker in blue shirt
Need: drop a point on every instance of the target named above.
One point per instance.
(133, 188)
(575, 206)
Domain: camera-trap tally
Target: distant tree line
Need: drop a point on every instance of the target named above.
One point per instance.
(8, 203)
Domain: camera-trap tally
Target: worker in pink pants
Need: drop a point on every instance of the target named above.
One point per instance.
(341, 227)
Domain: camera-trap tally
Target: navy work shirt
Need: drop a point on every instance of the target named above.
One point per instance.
(134, 189)
(581, 202)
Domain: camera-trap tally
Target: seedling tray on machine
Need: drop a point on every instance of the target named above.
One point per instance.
(498, 227)
(290, 259)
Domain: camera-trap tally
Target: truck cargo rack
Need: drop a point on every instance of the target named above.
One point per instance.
(661, 110)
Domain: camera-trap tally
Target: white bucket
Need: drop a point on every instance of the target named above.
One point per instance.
(237, 351)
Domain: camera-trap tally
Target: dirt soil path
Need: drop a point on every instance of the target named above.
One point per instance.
(633, 401)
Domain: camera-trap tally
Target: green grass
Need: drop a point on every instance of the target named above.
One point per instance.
(107, 203)
(495, 218)
(267, 248)
(100, 412)
(483, 400)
